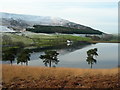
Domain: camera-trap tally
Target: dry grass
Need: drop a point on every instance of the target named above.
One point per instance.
(14, 73)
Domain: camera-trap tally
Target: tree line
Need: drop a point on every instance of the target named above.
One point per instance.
(22, 55)
(61, 29)
(50, 57)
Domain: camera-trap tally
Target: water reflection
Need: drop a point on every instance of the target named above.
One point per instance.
(64, 47)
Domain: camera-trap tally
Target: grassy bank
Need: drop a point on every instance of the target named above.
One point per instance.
(13, 38)
(45, 40)
(40, 40)
(43, 77)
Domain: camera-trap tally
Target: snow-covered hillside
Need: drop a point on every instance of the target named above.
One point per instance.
(30, 19)
(19, 22)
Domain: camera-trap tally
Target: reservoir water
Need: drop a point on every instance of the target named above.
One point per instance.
(75, 57)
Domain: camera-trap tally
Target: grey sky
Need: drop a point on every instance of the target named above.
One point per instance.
(98, 14)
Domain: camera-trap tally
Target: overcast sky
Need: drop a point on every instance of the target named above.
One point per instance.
(98, 14)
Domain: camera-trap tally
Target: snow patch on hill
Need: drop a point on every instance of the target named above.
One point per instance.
(5, 29)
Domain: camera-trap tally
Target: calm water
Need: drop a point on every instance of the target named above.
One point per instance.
(76, 56)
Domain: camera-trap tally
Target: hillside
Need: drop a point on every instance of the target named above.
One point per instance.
(20, 22)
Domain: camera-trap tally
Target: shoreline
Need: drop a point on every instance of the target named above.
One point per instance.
(105, 41)
(58, 67)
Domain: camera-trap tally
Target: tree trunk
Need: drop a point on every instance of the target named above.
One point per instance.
(50, 63)
(11, 62)
(26, 63)
(91, 66)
